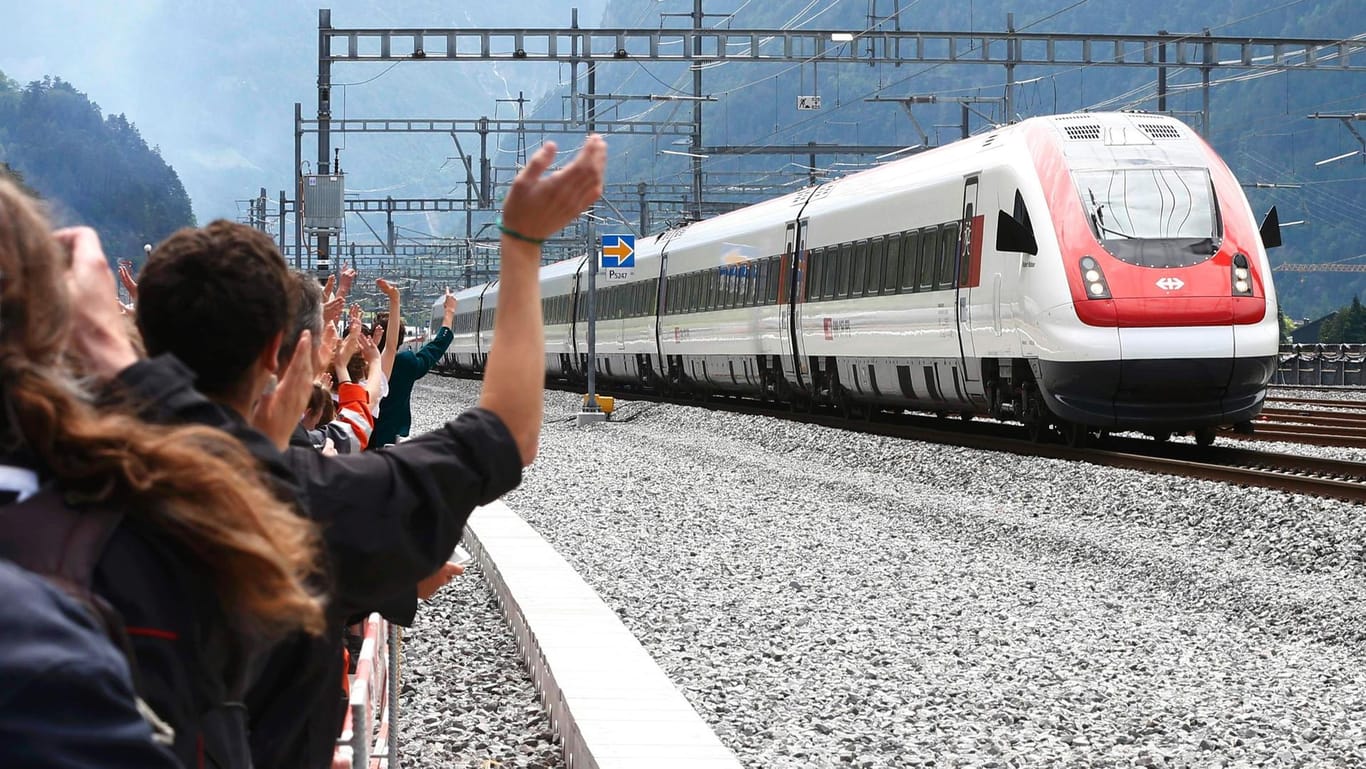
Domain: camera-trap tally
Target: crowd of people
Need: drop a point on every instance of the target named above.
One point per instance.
(198, 493)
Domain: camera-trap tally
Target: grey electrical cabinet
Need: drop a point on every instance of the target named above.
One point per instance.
(323, 203)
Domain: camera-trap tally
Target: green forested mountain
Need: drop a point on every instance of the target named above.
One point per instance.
(91, 169)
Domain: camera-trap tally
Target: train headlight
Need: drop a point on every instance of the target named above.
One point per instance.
(1242, 284)
(1095, 279)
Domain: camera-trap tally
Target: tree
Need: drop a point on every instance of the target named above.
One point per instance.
(92, 169)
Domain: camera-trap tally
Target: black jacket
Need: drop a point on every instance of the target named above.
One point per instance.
(193, 667)
(388, 518)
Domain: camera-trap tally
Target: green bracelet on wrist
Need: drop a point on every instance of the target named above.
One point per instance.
(511, 233)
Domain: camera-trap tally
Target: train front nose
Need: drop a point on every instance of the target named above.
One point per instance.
(1163, 379)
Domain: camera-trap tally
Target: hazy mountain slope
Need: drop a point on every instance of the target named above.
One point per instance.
(90, 169)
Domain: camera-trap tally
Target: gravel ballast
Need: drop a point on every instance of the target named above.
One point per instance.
(825, 598)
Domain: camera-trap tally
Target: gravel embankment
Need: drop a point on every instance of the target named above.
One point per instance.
(827, 599)
(466, 701)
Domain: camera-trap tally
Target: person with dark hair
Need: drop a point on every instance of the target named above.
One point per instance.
(166, 534)
(390, 518)
(396, 410)
(207, 286)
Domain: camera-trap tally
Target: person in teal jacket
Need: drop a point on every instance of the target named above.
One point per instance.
(395, 411)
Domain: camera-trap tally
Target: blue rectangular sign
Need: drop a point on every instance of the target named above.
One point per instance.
(618, 252)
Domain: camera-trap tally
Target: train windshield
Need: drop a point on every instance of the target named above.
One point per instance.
(1152, 217)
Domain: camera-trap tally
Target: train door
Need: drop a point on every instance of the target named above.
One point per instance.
(969, 270)
(661, 366)
(576, 324)
(789, 290)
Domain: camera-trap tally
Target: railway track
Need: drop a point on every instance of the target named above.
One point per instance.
(1240, 466)
(1317, 422)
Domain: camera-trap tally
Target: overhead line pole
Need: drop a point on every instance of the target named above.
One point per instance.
(324, 115)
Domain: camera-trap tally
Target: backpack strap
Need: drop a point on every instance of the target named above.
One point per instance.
(47, 536)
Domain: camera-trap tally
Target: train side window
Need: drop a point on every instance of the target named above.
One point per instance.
(845, 271)
(760, 267)
(829, 261)
(815, 260)
(948, 249)
(876, 250)
(891, 266)
(708, 289)
(910, 252)
(929, 247)
(859, 269)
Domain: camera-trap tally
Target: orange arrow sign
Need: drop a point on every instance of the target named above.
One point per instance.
(620, 251)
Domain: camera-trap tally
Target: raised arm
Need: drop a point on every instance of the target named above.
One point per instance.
(536, 208)
(374, 383)
(393, 332)
(431, 352)
(448, 310)
(350, 343)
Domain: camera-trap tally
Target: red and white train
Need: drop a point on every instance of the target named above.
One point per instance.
(1083, 272)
